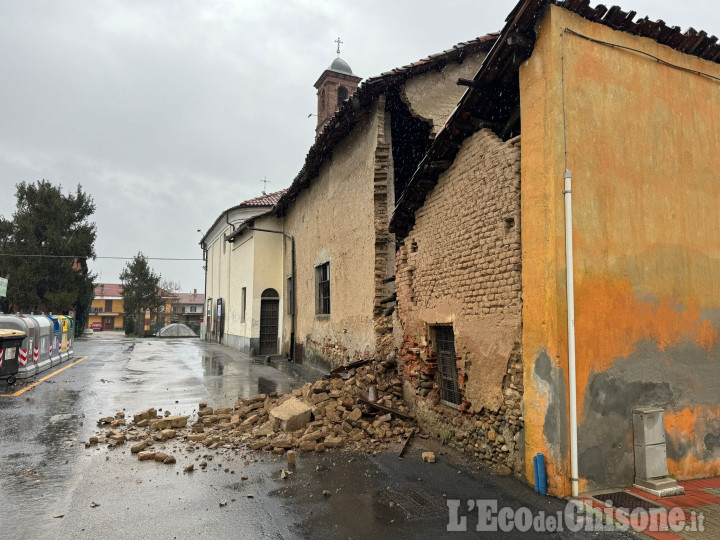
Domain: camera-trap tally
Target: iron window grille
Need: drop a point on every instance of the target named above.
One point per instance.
(447, 365)
(322, 296)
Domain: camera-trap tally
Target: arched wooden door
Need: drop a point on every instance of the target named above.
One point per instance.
(269, 321)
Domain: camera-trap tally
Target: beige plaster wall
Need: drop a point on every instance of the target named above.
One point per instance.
(434, 95)
(268, 270)
(242, 263)
(332, 220)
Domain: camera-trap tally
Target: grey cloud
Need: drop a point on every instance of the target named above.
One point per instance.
(170, 111)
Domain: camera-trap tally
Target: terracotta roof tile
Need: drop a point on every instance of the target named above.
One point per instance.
(270, 199)
(108, 289)
(190, 298)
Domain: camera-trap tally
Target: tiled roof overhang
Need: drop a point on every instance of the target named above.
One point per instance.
(242, 227)
(269, 200)
(493, 99)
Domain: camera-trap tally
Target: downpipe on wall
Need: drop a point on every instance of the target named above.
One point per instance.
(570, 289)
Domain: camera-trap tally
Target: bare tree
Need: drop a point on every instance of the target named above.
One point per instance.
(169, 290)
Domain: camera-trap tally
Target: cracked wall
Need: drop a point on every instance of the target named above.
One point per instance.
(642, 146)
(460, 264)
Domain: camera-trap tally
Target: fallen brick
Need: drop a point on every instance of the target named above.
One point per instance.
(292, 415)
(177, 421)
(139, 447)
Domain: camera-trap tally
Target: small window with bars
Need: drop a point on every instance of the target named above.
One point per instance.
(322, 289)
(444, 345)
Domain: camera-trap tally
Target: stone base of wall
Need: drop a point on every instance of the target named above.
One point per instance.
(494, 438)
(326, 353)
(241, 343)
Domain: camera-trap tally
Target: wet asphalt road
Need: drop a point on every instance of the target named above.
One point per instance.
(47, 471)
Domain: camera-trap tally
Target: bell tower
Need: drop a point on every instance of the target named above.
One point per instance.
(335, 85)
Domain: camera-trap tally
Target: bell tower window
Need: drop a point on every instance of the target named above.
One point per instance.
(342, 95)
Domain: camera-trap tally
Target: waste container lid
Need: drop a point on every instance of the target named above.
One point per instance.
(6, 333)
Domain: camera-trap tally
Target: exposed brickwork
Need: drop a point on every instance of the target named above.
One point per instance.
(329, 351)
(460, 265)
(380, 216)
(384, 241)
(495, 438)
(327, 86)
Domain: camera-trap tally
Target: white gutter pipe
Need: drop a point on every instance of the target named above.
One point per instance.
(571, 332)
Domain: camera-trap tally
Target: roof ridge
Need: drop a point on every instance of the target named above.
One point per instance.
(266, 196)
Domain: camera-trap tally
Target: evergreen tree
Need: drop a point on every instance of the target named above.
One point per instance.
(44, 251)
(141, 291)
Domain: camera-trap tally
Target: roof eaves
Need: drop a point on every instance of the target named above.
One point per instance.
(448, 140)
(271, 199)
(521, 22)
(246, 225)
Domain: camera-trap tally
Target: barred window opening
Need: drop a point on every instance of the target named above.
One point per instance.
(322, 289)
(447, 365)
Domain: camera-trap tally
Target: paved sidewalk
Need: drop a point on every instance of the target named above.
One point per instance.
(694, 515)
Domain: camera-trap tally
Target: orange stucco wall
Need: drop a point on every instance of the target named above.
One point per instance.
(643, 146)
(117, 307)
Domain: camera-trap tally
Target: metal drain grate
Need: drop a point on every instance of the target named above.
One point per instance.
(623, 499)
(415, 502)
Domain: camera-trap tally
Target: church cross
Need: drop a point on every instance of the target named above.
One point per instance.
(338, 43)
(265, 182)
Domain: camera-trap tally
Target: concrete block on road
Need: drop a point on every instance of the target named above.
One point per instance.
(292, 415)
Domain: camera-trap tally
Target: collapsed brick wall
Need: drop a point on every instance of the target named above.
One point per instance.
(460, 265)
(384, 240)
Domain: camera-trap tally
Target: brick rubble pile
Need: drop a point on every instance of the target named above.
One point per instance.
(326, 414)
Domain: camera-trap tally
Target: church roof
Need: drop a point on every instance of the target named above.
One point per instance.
(340, 66)
(269, 199)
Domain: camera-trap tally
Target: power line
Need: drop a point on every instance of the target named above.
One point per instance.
(657, 59)
(38, 255)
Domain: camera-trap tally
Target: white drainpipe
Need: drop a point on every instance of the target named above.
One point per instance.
(571, 332)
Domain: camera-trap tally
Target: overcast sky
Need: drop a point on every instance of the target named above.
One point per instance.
(170, 111)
